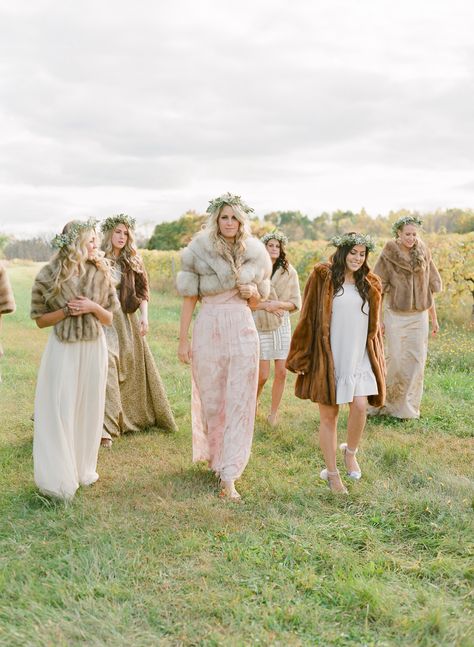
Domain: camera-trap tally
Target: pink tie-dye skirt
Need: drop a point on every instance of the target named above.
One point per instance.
(225, 357)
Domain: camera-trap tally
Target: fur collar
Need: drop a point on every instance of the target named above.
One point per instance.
(394, 255)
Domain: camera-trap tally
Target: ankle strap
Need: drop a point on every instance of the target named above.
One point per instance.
(351, 451)
(336, 473)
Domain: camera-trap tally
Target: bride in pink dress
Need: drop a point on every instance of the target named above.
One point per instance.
(227, 270)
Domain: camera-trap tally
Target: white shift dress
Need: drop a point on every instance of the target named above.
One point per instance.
(349, 326)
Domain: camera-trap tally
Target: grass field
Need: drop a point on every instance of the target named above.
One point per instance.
(150, 556)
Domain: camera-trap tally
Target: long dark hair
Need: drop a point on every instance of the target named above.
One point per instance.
(338, 270)
(281, 261)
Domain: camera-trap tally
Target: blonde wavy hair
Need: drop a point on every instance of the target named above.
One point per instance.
(70, 260)
(234, 254)
(129, 255)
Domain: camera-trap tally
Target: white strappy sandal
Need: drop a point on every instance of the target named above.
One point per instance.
(326, 475)
(355, 474)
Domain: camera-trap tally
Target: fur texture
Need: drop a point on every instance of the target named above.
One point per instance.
(133, 288)
(408, 288)
(310, 350)
(285, 287)
(7, 302)
(94, 284)
(205, 272)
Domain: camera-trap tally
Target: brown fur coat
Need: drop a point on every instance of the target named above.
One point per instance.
(94, 284)
(310, 350)
(133, 288)
(408, 288)
(7, 302)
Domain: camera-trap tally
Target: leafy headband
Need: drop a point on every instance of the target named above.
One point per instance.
(275, 235)
(350, 240)
(228, 198)
(405, 220)
(64, 240)
(119, 219)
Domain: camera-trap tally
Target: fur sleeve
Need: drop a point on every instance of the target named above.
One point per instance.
(295, 292)
(40, 287)
(141, 284)
(299, 357)
(383, 272)
(7, 302)
(187, 280)
(436, 284)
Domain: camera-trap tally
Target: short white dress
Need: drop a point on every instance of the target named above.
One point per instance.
(275, 344)
(349, 327)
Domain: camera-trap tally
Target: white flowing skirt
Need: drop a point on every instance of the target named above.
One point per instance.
(69, 415)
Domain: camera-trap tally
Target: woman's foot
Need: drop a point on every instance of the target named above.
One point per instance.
(106, 442)
(228, 491)
(272, 419)
(334, 481)
(350, 461)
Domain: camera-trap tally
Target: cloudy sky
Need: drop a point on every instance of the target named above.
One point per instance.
(153, 107)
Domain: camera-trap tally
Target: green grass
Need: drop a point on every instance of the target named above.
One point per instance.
(150, 556)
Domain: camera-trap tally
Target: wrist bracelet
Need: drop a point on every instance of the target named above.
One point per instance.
(66, 311)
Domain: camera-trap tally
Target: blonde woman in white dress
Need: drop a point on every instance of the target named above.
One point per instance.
(272, 318)
(74, 294)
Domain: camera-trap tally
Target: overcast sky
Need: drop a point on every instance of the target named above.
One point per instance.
(153, 107)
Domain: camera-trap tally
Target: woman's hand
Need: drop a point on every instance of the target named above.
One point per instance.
(184, 351)
(81, 306)
(143, 326)
(247, 290)
(274, 307)
(434, 326)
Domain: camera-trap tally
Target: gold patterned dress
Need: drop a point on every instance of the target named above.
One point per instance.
(135, 398)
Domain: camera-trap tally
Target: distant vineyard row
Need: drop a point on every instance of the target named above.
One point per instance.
(453, 254)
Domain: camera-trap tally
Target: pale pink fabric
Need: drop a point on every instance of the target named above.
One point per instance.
(224, 386)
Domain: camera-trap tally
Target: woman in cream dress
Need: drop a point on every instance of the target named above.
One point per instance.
(227, 270)
(74, 294)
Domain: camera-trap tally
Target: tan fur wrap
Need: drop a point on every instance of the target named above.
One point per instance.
(285, 287)
(408, 288)
(94, 284)
(205, 272)
(310, 350)
(7, 302)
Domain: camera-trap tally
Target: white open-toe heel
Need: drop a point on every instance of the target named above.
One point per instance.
(337, 488)
(355, 474)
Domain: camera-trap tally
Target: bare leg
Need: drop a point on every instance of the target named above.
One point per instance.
(263, 374)
(278, 387)
(355, 427)
(328, 415)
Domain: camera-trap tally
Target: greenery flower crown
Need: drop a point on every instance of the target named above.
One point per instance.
(119, 219)
(405, 220)
(350, 240)
(228, 198)
(64, 240)
(275, 235)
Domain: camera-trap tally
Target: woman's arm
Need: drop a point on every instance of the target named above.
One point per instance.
(184, 347)
(249, 291)
(434, 319)
(143, 318)
(52, 318)
(84, 305)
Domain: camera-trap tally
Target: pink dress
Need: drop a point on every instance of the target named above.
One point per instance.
(225, 353)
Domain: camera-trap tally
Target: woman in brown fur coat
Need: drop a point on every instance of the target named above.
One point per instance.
(409, 279)
(337, 349)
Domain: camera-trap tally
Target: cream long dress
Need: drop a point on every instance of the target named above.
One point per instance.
(225, 353)
(349, 327)
(69, 413)
(135, 396)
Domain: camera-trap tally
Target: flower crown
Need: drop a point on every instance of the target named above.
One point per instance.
(228, 198)
(275, 235)
(405, 220)
(350, 240)
(64, 240)
(119, 219)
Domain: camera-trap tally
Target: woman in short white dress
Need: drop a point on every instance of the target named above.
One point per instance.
(272, 318)
(73, 293)
(337, 349)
